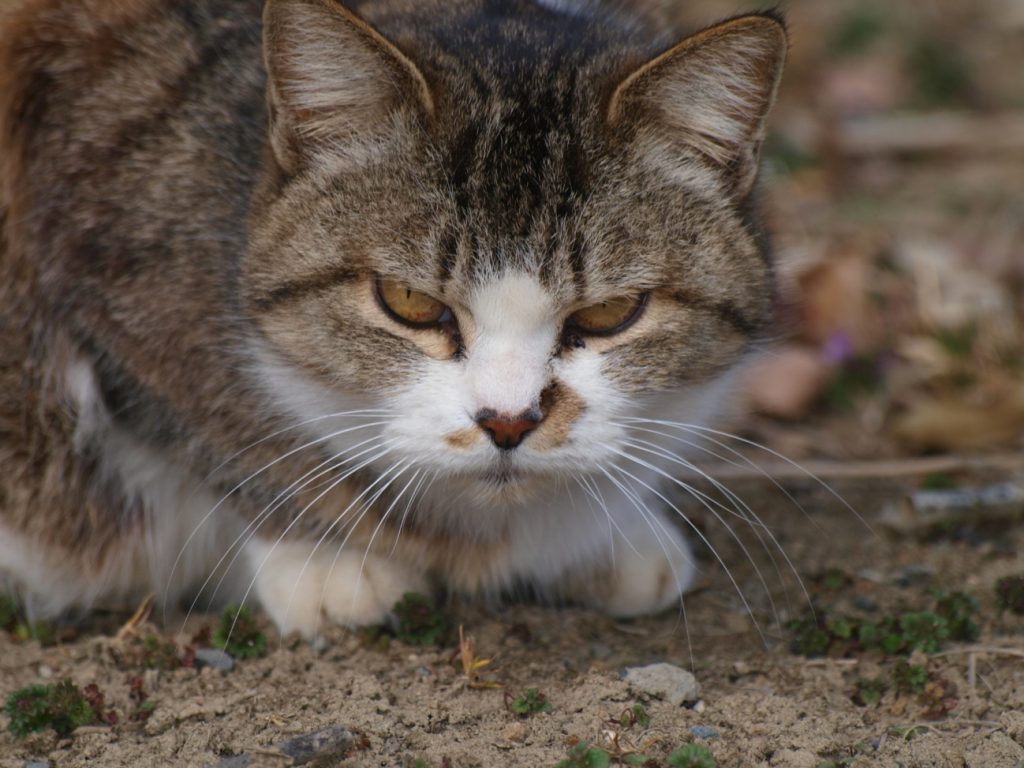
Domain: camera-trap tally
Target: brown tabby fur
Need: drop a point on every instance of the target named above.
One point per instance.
(152, 226)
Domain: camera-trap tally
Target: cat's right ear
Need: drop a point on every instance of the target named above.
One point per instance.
(707, 98)
(336, 87)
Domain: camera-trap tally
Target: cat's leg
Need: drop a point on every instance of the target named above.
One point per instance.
(647, 565)
(304, 587)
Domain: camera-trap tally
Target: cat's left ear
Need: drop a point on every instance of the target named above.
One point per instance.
(336, 86)
(709, 95)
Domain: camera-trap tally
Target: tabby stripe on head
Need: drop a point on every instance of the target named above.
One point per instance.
(314, 282)
(726, 311)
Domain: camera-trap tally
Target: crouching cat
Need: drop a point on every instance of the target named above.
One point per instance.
(325, 303)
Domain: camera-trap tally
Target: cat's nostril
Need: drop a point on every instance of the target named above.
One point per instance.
(508, 431)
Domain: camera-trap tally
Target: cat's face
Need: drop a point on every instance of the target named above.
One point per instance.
(509, 255)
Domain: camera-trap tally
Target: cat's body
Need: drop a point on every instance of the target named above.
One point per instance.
(186, 297)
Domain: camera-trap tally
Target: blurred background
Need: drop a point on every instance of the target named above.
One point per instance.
(894, 189)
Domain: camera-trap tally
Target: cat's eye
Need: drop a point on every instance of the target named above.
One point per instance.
(410, 307)
(608, 317)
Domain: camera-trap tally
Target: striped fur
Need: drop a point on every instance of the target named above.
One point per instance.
(197, 199)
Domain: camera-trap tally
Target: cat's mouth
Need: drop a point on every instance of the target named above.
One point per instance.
(503, 475)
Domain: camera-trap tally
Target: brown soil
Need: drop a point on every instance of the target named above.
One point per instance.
(765, 704)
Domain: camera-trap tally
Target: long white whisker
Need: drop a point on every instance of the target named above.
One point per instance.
(297, 486)
(330, 528)
(700, 535)
(409, 506)
(658, 537)
(796, 465)
(739, 504)
(746, 460)
(380, 523)
(344, 476)
(225, 497)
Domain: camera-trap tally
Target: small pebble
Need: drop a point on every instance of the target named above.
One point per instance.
(915, 573)
(37, 764)
(665, 681)
(424, 671)
(703, 731)
(865, 603)
(45, 671)
(514, 732)
(215, 658)
(599, 650)
(699, 707)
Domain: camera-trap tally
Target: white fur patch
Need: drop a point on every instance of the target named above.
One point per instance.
(509, 356)
(174, 549)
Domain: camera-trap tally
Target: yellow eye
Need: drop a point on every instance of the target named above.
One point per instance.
(410, 307)
(608, 317)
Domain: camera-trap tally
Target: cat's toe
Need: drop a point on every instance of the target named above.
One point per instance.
(304, 590)
(644, 579)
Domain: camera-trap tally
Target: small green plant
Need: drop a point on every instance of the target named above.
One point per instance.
(530, 702)
(8, 612)
(940, 74)
(692, 756)
(910, 678)
(822, 633)
(585, 756)
(43, 632)
(1010, 594)
(239, 635)
(869, 692)
(958, 609)
(62, 707)
(419, 620)
(158, 653)
(635, 715)
(923, 630)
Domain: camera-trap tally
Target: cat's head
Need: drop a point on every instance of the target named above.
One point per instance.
(507, 232)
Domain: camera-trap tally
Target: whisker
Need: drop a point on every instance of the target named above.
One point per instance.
(344, 476)
(298, 485)
(409, 505)
(265, 467)
(595, 493)
(696, 428)
(739, 504)
(327, 532)
(658, 537)
(745, 459)
(701, 535)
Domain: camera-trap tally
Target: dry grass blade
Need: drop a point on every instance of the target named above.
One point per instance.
(141, 614)
(473, 664)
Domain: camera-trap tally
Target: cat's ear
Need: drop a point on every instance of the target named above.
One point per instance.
(335, 85)
(709, 95)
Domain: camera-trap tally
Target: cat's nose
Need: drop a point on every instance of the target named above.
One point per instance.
(508, 431)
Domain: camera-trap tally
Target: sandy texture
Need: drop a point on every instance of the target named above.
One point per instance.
(760, 705)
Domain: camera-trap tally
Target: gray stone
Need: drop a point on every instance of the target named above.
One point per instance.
(704, 731)
(216, 658)
(664, 681)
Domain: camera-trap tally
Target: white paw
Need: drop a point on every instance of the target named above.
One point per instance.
(648, 576)
(302, 593)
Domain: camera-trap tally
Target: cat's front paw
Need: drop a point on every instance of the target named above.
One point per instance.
(645, 576)
(303, 590)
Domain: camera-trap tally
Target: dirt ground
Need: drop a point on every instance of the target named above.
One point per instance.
(760, 704)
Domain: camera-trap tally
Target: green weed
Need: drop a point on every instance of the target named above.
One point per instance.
(239, 635)
(530, 702)
(62, 707)
(420, 621)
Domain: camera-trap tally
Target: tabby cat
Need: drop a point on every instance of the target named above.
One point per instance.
(317, 304)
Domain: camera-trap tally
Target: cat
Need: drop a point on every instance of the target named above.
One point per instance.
(327, 303)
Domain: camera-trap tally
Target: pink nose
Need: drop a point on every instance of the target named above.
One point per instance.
(508, 431)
